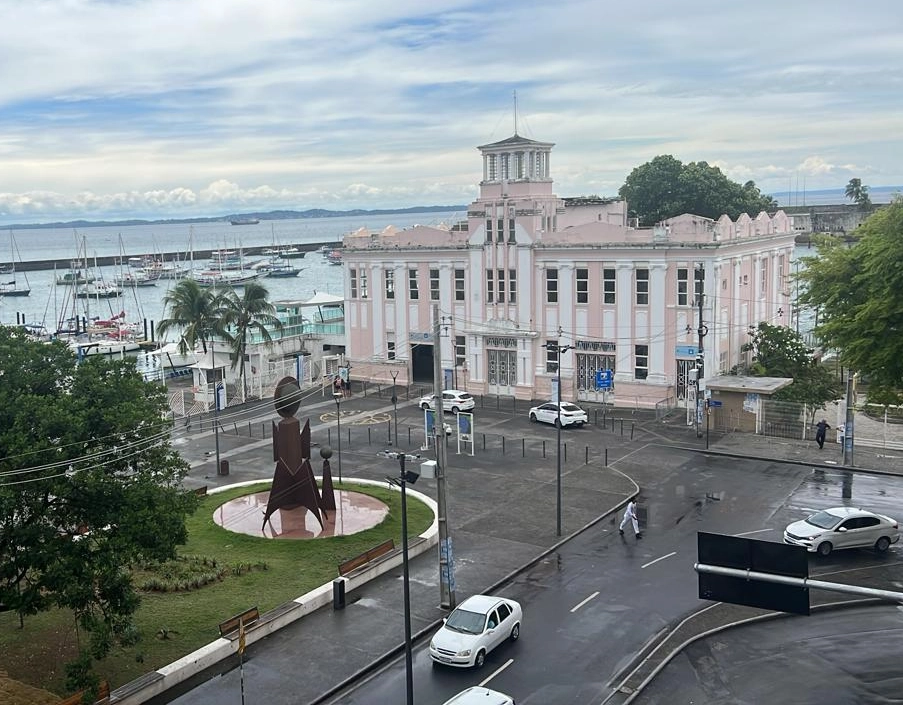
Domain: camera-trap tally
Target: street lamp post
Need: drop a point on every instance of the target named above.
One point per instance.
(404, 478)
(338, 419)
(216, 421)
(558, 349)
(395, 405)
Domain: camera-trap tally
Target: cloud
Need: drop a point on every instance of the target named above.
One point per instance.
(176, 107)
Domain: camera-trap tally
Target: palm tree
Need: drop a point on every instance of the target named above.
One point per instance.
(193, 310)
(243, 316)
(859, 193)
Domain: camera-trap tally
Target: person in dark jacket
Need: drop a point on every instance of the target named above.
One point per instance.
(821, 430)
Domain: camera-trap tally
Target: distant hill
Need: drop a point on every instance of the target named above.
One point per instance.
(261, 215)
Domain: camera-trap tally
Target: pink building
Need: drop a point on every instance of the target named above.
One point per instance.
(528, 267)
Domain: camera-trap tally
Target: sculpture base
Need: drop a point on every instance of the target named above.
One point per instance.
(354, 512)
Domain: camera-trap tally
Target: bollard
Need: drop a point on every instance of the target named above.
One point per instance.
(349, 437)
(503, 445)
(484, 441)
(379, 390)
(565, 452)
(338, 594)
(543, 449)
(586, 456)
(389, 425)
(498, 400)
(622, 427)
(369, 442)
(612, 425)
(329, 437)
(631, 430)
(250, 432)
(606, 457)
(409, 435)
(263, 430)
(523, 447)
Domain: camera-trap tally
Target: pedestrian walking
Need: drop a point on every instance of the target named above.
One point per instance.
(821, 430)
(630, 517)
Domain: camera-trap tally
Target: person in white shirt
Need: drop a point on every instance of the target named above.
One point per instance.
(631, 517)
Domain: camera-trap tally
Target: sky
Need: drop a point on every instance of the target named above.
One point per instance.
(113, 109)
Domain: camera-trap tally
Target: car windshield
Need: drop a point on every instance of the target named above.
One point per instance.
(466, 622)
(464, 395)
(570, 407)
(823, 520)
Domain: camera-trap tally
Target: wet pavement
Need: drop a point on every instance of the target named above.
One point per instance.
(501, 508)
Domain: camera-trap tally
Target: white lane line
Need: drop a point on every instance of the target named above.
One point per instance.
(757, 531)
(660, 558)
(580, 604)
(496, 672)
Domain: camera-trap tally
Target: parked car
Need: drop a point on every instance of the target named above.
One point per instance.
(474, 628)
(843, 527)
(571, 414)
(480, 696)
(452, 400)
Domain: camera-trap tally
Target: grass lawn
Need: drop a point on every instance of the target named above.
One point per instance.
(173, 624)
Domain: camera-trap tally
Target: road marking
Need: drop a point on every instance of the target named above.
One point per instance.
(580, 604)
(757, 531)
(496, 672)
(660, 558)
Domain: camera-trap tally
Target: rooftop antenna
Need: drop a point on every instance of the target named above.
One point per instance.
(515, 113)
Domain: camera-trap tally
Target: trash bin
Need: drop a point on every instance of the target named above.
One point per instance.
(223, 467)
(338, 594)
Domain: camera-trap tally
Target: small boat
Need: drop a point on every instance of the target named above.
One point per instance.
(244, 221)
(98, 290)
(76, 276)
(12, 286)
(138, 277)
(334, 257)
(282, 269)
(227, 277)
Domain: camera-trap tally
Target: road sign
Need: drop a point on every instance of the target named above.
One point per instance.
(604, 379)
(714, 402)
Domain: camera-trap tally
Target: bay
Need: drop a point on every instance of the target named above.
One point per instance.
(49, 303)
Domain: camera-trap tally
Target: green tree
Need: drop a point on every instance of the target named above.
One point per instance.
(781, 352)
(88, 485)
(246, 316)
(666, 187)
(859, 294)
(193, 311)
(857, 192)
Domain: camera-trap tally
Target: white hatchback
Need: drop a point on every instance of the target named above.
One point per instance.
(452, 400)
(478, 695)
(843, 527)
(474, 628)
(571, 414)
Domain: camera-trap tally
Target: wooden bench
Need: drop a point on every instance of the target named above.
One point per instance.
(366, 557)
(230, 626)
(103, 696)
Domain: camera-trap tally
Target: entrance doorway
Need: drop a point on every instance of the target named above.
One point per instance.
(502, 369)
(422, 363)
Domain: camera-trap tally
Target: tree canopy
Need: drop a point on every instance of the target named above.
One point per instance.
(666, 187)
(779, 351)
(88, 485)
(858, 291)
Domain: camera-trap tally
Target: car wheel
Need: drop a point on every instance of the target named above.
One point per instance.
(515, 632)
(480, 659)
(533, 418)
(882, 544)
(455, 409)
(825, 548)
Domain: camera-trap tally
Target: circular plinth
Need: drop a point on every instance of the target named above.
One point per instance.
(354, 512)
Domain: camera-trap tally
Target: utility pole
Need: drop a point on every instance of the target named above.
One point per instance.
(558, 349)
(848, 422)
(446, 557)
(701, 331)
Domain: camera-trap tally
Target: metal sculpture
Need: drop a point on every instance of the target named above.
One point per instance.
(294, 484)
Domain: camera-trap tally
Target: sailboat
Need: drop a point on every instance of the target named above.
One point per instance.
(10, 285)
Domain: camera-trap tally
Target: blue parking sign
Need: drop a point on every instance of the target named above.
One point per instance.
(604, 379)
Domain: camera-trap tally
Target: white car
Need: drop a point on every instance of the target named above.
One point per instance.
(571, 414)
(452, 400)
(843, 527)
(478, 695)
(475, 628)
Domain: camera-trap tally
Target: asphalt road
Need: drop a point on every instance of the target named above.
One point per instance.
(592, 604)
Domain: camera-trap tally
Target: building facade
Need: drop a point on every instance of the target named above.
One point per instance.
(528, 268)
